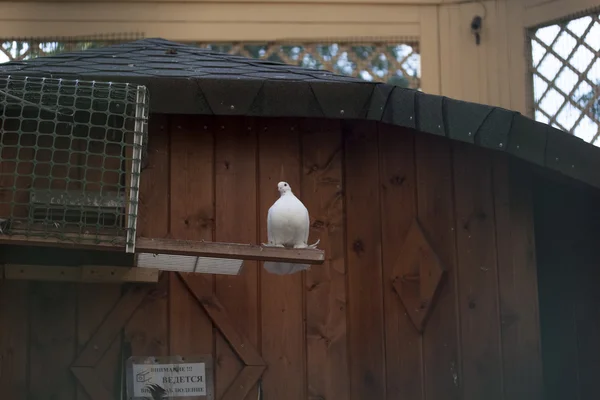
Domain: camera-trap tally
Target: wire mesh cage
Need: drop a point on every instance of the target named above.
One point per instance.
(70, 159)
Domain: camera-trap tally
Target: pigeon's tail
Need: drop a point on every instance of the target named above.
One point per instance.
(284, 268)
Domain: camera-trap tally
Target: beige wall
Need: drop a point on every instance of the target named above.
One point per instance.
(496, 71)
(492, 73)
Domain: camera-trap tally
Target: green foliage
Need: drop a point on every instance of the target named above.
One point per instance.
(592, 97)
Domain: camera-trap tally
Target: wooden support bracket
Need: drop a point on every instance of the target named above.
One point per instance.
(83, 273)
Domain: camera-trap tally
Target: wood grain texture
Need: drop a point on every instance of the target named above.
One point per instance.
(94, 303)
(244, 383)
(14, 329)
(236, 222)
(441, 350)
(107, 326)
(53, 341)
(150, 339)
(325, 287)
(153, 213)
(235, 251)
(587, 300)
(190, 329)
(191, 217)
(517, 278)
(363, 254)
(201, 290)
(478, 274)
(153, 221)
(91, 385)
(557, 292)
(281, 300)
(398, 209)
(567, 214)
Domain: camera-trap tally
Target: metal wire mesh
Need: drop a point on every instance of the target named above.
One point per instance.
(70, 157)
(565, 69)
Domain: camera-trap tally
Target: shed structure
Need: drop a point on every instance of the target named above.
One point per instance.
(459, 243)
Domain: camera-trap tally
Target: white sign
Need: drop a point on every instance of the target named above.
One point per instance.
(177, 380)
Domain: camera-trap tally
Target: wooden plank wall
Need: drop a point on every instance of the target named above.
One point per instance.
(338, 331)
(569, 227)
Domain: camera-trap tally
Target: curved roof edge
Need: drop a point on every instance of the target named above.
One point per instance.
(184, 79)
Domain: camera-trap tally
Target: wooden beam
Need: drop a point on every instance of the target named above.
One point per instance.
(243, 382)
(229, 250)
(111, 326)
(235, 251)
(108, 274)
(201, 289)
(83, 241)
(83, 273)
(88, 378)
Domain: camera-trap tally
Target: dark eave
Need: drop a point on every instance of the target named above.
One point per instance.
(184, 79)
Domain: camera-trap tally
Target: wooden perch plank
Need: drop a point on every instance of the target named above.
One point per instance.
(229, 250)
(235, 251)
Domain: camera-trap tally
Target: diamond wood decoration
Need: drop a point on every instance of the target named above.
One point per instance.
(417, 275)
(254, 365)
(84, 367)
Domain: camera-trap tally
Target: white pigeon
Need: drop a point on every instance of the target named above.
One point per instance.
(288, 225)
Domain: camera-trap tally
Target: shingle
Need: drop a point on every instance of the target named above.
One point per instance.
(186, 79)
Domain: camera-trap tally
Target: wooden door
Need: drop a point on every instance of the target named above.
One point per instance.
(129, 325)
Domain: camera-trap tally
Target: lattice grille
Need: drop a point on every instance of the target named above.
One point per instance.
(70, 159)
(566, 75)
(17, 49)
(393, 62)
(396, 62)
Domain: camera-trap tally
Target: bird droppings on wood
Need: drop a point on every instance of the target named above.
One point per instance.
(318, 224)
(209, 302)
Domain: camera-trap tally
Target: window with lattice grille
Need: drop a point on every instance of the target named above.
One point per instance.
(565, 67)
(396, 62)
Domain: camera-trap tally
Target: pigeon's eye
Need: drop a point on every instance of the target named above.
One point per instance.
(285, 184)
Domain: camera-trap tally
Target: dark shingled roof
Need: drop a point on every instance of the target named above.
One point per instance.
(185, 79)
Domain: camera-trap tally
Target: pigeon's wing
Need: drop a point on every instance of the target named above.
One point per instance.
(269, 228)
(306, 227)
